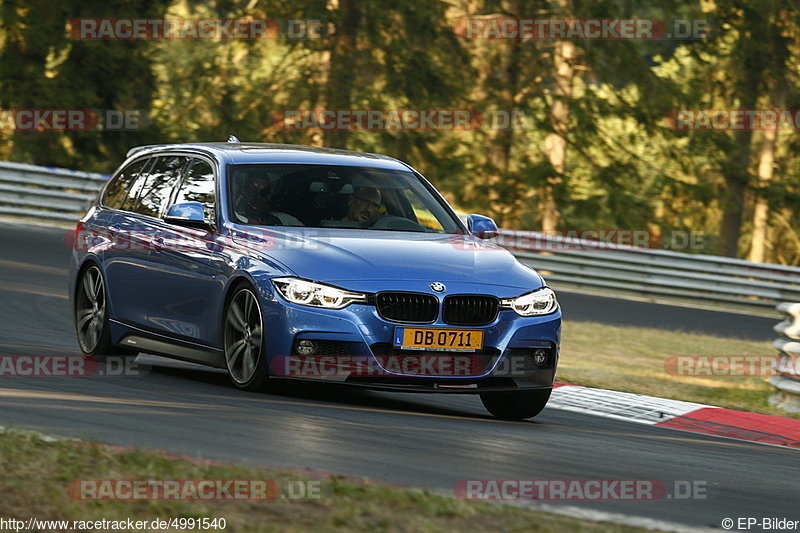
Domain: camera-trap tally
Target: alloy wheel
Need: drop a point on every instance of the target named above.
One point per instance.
(90, 309)
(243, 336)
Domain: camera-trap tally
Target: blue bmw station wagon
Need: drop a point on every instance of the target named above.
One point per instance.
(283, 262)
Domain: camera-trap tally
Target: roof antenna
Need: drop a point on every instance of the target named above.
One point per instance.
(233, 139)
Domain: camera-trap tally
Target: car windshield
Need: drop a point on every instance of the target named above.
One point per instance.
(335, 197)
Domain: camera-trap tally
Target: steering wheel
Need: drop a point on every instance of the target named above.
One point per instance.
(398, 223)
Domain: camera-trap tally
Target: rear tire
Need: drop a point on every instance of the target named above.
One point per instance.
(91, 314)
(517, 405)
(91, 317)
(243, 341)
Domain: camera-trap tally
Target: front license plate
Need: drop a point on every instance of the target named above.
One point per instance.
(451, 340)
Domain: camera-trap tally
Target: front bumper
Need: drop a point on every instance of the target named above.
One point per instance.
(357, 349)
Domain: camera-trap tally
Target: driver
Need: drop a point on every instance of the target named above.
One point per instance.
(364, 205)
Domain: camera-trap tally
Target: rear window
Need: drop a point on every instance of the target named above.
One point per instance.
(118, 188)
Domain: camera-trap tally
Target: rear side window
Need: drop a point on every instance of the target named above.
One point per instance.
(119, 186)
(156, 189)
(198, 186)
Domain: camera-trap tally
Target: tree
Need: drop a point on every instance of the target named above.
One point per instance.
(42, 68)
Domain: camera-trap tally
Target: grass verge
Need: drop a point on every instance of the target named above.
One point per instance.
(35, 474)
(633, 360)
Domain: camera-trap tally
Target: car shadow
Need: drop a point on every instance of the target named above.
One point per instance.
(327, 393)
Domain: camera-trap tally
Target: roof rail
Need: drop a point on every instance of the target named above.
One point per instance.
(137, 149)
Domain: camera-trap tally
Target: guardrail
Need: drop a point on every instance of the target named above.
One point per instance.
(60, 194)
(787, 379)
(581, 263)
(46, 192)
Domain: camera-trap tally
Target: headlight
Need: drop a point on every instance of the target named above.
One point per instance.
(304, 292)
(539, 302)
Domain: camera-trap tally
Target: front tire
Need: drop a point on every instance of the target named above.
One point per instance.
(243, 341)
(516, 405)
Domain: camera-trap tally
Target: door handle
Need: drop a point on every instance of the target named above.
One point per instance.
(158, 244)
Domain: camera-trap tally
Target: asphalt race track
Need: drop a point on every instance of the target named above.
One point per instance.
(417, 440)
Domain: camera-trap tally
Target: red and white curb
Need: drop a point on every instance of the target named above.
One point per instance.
(675, 414)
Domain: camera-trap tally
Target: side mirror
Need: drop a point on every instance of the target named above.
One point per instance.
(188, 214)
(482, 227)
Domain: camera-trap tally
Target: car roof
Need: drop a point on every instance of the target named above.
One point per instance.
(246, 152)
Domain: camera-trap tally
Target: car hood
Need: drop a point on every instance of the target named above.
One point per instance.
(348, 255)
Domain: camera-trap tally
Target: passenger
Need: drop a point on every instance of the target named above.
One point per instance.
(253, 204)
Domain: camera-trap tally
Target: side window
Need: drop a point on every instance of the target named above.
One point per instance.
(198, 186)
(118, 187)
(423, 215)
(156, 189)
